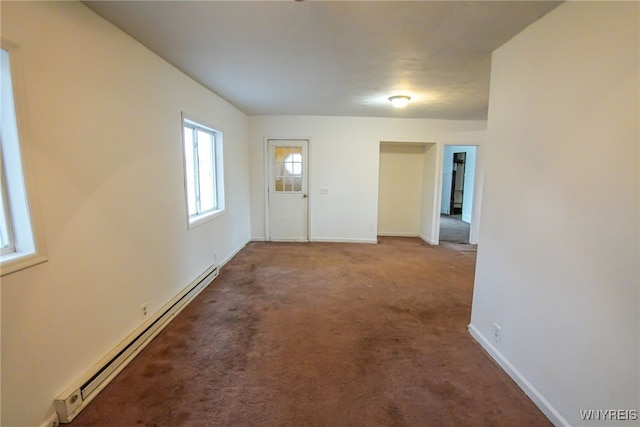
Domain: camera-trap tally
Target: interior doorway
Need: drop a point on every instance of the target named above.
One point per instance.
(400, 189)
(408, 190)
(458, 180)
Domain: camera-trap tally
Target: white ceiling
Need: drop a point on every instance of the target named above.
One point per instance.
(338, 58)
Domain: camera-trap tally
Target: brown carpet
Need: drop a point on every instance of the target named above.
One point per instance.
(322, 334)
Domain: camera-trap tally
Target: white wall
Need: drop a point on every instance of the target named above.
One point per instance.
(400, 189)
(469, 174)
(560, 272)
(469, 184)
(344, 158)
(103, 146)
(430, 218)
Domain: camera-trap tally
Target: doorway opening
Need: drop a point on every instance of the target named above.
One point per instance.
(407, 191)
(458, 173)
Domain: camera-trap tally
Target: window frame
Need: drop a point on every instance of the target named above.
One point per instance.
(218, 171)
(6, 225)
(21, 212)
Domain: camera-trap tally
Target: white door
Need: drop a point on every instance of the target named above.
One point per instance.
(287, 190)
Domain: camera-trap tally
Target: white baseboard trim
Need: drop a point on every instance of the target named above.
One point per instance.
(538, 399)
(341, 240)
(329, 240)
(429, 241)
(51, 421)
(234, 253)
(396, 234)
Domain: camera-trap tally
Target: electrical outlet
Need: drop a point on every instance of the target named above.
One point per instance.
(496, 331)
(143, 310)
(324, 190)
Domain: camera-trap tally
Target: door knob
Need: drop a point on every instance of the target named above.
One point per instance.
(304, 196)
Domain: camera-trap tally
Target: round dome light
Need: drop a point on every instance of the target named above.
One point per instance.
(399, 101)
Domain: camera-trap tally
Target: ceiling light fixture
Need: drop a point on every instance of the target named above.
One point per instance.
(399, 101)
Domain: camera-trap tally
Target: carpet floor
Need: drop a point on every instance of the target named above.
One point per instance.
(453, 229)
(322, 334)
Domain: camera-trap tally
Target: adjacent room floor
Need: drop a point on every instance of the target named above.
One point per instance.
(453, 229)
(322, 334)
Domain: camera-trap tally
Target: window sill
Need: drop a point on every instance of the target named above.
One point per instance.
(11, 263)
(201, 219)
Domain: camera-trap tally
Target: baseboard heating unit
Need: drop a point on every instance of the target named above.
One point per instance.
(78, 395)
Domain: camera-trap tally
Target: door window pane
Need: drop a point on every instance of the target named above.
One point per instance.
(287, 169)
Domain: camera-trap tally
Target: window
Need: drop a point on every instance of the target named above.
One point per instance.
(17, 237)
(203, 171)
(6, 239)
(288, 169)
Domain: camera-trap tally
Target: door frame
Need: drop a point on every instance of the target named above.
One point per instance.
(477, 190)
(265, 155)
(454, 177)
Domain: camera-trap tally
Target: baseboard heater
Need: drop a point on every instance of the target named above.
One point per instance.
(78, 395)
